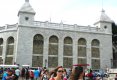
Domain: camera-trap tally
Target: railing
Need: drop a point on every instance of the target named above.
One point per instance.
(2, 27)
(59, 26)
(8, 27)
(62, 26)
(11, 26)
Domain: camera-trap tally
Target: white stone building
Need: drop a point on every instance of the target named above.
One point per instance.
(51, 44)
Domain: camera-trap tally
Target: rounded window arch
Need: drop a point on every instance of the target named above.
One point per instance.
(1, 46)
(53, 39)
(95, 42)
(81, 41)
(68, 52)
(10, 40)
(53, 51)
(10, 46)
(82, 51)
(37, 57)
(9, 51)
(67, 40)
(95, 54)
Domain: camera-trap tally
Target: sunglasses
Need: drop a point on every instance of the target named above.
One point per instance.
(60, 71)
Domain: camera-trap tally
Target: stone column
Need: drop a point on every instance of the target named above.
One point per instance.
(15, 49)
(89, 53)
(60, 52)
(45, 51)
(75, 53)
(4, 50)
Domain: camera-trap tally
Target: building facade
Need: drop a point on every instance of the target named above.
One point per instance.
(52, 44)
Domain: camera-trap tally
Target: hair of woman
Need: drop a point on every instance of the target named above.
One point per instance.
(76, 73)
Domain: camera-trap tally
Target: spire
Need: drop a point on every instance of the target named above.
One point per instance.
(26, 0)
(26, 8)
(103, 11)
(103, 17)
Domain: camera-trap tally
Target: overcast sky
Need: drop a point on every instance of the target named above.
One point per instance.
(81, 12)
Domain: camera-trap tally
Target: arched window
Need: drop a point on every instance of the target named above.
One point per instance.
(37, 57)
(68, 53)
(1, 46)
(9, 51)
(95, 54)
(82, 51)
(53, 52)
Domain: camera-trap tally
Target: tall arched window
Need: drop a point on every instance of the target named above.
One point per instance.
(95, 54)
(68, 52)
(37, 57)
(82, 51)
(53, 52)
(9, 51)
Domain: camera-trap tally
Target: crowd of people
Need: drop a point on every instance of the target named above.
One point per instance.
(59, 73)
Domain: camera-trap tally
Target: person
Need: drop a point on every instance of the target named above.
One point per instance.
(77, 73)
(69, 73)
(4, 75)
(116, 77)
(27, 74)
(31, 75)
(17, 72)
(57, 74)
(65, 75)
(15, 77)
(1, 72)
(8, 75)
(45, 75)
(23, 73)
(36, 74)
(90, 75)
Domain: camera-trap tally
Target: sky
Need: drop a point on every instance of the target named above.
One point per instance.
(80, 12)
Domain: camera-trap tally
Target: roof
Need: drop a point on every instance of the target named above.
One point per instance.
(104, 18)
(26, 8)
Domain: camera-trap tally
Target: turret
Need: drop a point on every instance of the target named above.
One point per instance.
(26, 14)
(104, 23)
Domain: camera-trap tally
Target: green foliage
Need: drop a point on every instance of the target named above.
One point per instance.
(114, 33)
(114, 28)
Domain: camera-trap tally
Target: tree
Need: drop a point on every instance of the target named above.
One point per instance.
(114, 42)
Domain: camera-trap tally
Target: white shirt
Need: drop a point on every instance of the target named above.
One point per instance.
(17, 72)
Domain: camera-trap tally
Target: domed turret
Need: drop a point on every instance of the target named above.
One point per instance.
(26, 14)
(104, 22)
